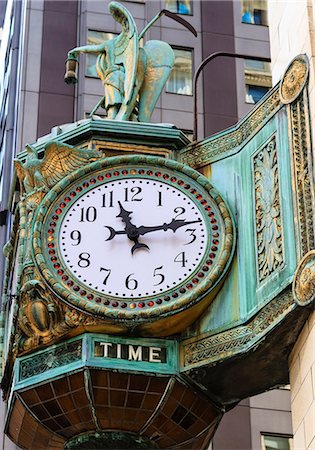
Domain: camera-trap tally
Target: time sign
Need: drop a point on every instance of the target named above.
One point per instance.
(133, 238)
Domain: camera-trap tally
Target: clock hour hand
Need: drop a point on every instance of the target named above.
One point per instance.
(173, 225)
(125, 217)
(130, 230)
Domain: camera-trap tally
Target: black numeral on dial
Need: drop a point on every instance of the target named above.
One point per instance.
(107, 199)
(107, 275)
(179, 211)
(191, 232)
(180, 258)
(131, 283)
(159, 198)
(132, 194)
(75, 235)
(89, 214)
(84, 260)
(159, 276)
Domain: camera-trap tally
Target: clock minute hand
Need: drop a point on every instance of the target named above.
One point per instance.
(173, 225)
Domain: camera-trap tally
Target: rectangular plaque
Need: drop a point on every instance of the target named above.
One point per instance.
(130, 352)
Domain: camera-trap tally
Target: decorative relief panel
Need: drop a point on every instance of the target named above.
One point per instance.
(303, 182)
(51, 359)
(269, 233)
(210, 349)
(205, 152)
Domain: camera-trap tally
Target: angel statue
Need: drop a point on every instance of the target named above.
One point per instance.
(132, 76)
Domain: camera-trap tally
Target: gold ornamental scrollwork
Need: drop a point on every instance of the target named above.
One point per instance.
(294, 79)
(302, 178)
(303, 287)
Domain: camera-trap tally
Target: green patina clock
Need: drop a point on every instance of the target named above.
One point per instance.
(138, 240)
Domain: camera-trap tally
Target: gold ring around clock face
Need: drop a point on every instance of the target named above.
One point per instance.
(133, 240)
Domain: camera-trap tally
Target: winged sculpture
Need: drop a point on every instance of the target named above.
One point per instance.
(132, 76)
(60, 159)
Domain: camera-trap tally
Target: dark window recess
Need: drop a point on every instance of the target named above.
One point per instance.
(183, 417)
(3, 217)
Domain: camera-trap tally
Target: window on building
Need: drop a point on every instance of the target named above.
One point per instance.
(270, 442)
(255, 93)
(95, 38)
(180, 81)
(179, 6)
(257, 80)
(254, 12)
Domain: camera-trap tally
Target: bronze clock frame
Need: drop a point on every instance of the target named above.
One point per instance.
(150, 314)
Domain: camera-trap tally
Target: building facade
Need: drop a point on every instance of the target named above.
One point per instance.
(36, 38)
(285, 19)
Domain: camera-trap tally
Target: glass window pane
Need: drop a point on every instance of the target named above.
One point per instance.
(179, 6)
(254, 12)
(95, 37)
(255, 93)
(257, 79)
(180, 81)
(260, 66)
(277, 443)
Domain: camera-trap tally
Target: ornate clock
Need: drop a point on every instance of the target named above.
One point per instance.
(134, 240)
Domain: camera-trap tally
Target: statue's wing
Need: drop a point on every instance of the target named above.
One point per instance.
(61, 159)
(126, 46)
(20, 170)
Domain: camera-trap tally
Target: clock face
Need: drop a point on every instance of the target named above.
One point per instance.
(133, 237)
(129, 240)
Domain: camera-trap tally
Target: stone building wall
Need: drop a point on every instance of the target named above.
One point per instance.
(292, 31)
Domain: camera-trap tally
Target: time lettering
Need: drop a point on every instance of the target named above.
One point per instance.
(130, 352)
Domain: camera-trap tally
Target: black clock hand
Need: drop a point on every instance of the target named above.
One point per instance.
(140, 231)
(173, 225)
(112, 232)
(130, 229)
(125, 217)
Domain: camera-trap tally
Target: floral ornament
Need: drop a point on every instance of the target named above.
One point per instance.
(294, 79)
(303, 287)
(268, 214)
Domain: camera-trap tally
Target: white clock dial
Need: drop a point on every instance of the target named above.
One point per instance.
(133, 238)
